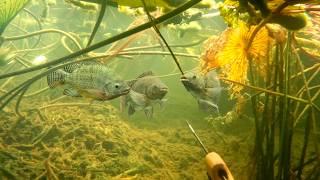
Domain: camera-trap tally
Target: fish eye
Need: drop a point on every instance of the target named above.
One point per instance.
(117, 86)
(194, 76)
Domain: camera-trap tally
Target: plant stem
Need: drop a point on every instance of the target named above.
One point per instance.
(266, 90)
(151, 19)
(98, 22)
(125, 34)
(15, 38)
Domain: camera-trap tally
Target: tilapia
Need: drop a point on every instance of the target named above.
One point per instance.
(94, 81)
(145, 91)
(205, 88)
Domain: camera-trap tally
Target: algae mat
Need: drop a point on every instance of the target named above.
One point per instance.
(93, 142)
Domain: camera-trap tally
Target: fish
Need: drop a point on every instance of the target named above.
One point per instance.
(146, 90)
(93, 81)
(205, 88)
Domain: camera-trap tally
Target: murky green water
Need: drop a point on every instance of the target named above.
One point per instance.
(47, 135)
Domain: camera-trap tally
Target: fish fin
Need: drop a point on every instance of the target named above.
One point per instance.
(130, 83)
(161, 103)
(71, 92)
(72, 67)
(138, 98)
(147, 73)
(56, 78)
(148, 111)
(131, 110)
(123, 103)
(208, 106)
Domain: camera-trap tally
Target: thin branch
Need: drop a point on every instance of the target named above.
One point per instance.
(38, 22)
(151, 19)
(159, 46)
(98, 22)
(15, 38)
(265, 90)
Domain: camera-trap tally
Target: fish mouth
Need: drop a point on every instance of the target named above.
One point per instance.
(125, 91)
(163, 90)
(189, 85)
(185, 81)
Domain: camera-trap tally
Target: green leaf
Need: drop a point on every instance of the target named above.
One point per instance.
(8, 10)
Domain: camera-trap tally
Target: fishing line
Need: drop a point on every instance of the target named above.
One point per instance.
(222, 173)
(160, 35)
(167, 75)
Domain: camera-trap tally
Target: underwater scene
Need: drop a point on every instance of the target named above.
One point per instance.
(160, 89)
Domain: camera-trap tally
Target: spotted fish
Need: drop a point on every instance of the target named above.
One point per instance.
(94, 81)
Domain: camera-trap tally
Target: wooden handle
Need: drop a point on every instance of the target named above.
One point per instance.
(217, 168)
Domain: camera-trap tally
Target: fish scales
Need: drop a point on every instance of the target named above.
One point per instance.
(89, 77)
(205, 89)
(89, 80)
(146, 90)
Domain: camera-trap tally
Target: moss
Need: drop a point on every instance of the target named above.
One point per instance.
(78, 148)
(152, 159)
(108, 145)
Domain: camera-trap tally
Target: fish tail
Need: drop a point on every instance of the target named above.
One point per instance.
(56, 78)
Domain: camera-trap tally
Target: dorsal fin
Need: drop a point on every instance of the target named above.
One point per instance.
(147, 73)
(71, 67)
(130, 83)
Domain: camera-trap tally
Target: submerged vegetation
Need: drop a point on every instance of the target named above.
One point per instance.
(8, 10)
(265, 60)
(268, 58)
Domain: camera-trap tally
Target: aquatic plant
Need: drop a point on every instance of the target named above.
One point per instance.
(8, 10)
(230, 53)
(282, 99)
(18, 90)
(283, 91)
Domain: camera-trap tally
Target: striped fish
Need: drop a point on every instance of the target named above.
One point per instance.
(91, 81)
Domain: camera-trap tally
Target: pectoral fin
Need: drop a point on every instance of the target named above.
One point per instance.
(123, 103)
(131, 110)
(161, 103)
(71, 92)
(138, 98)
(208, 106)
(148, 111)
